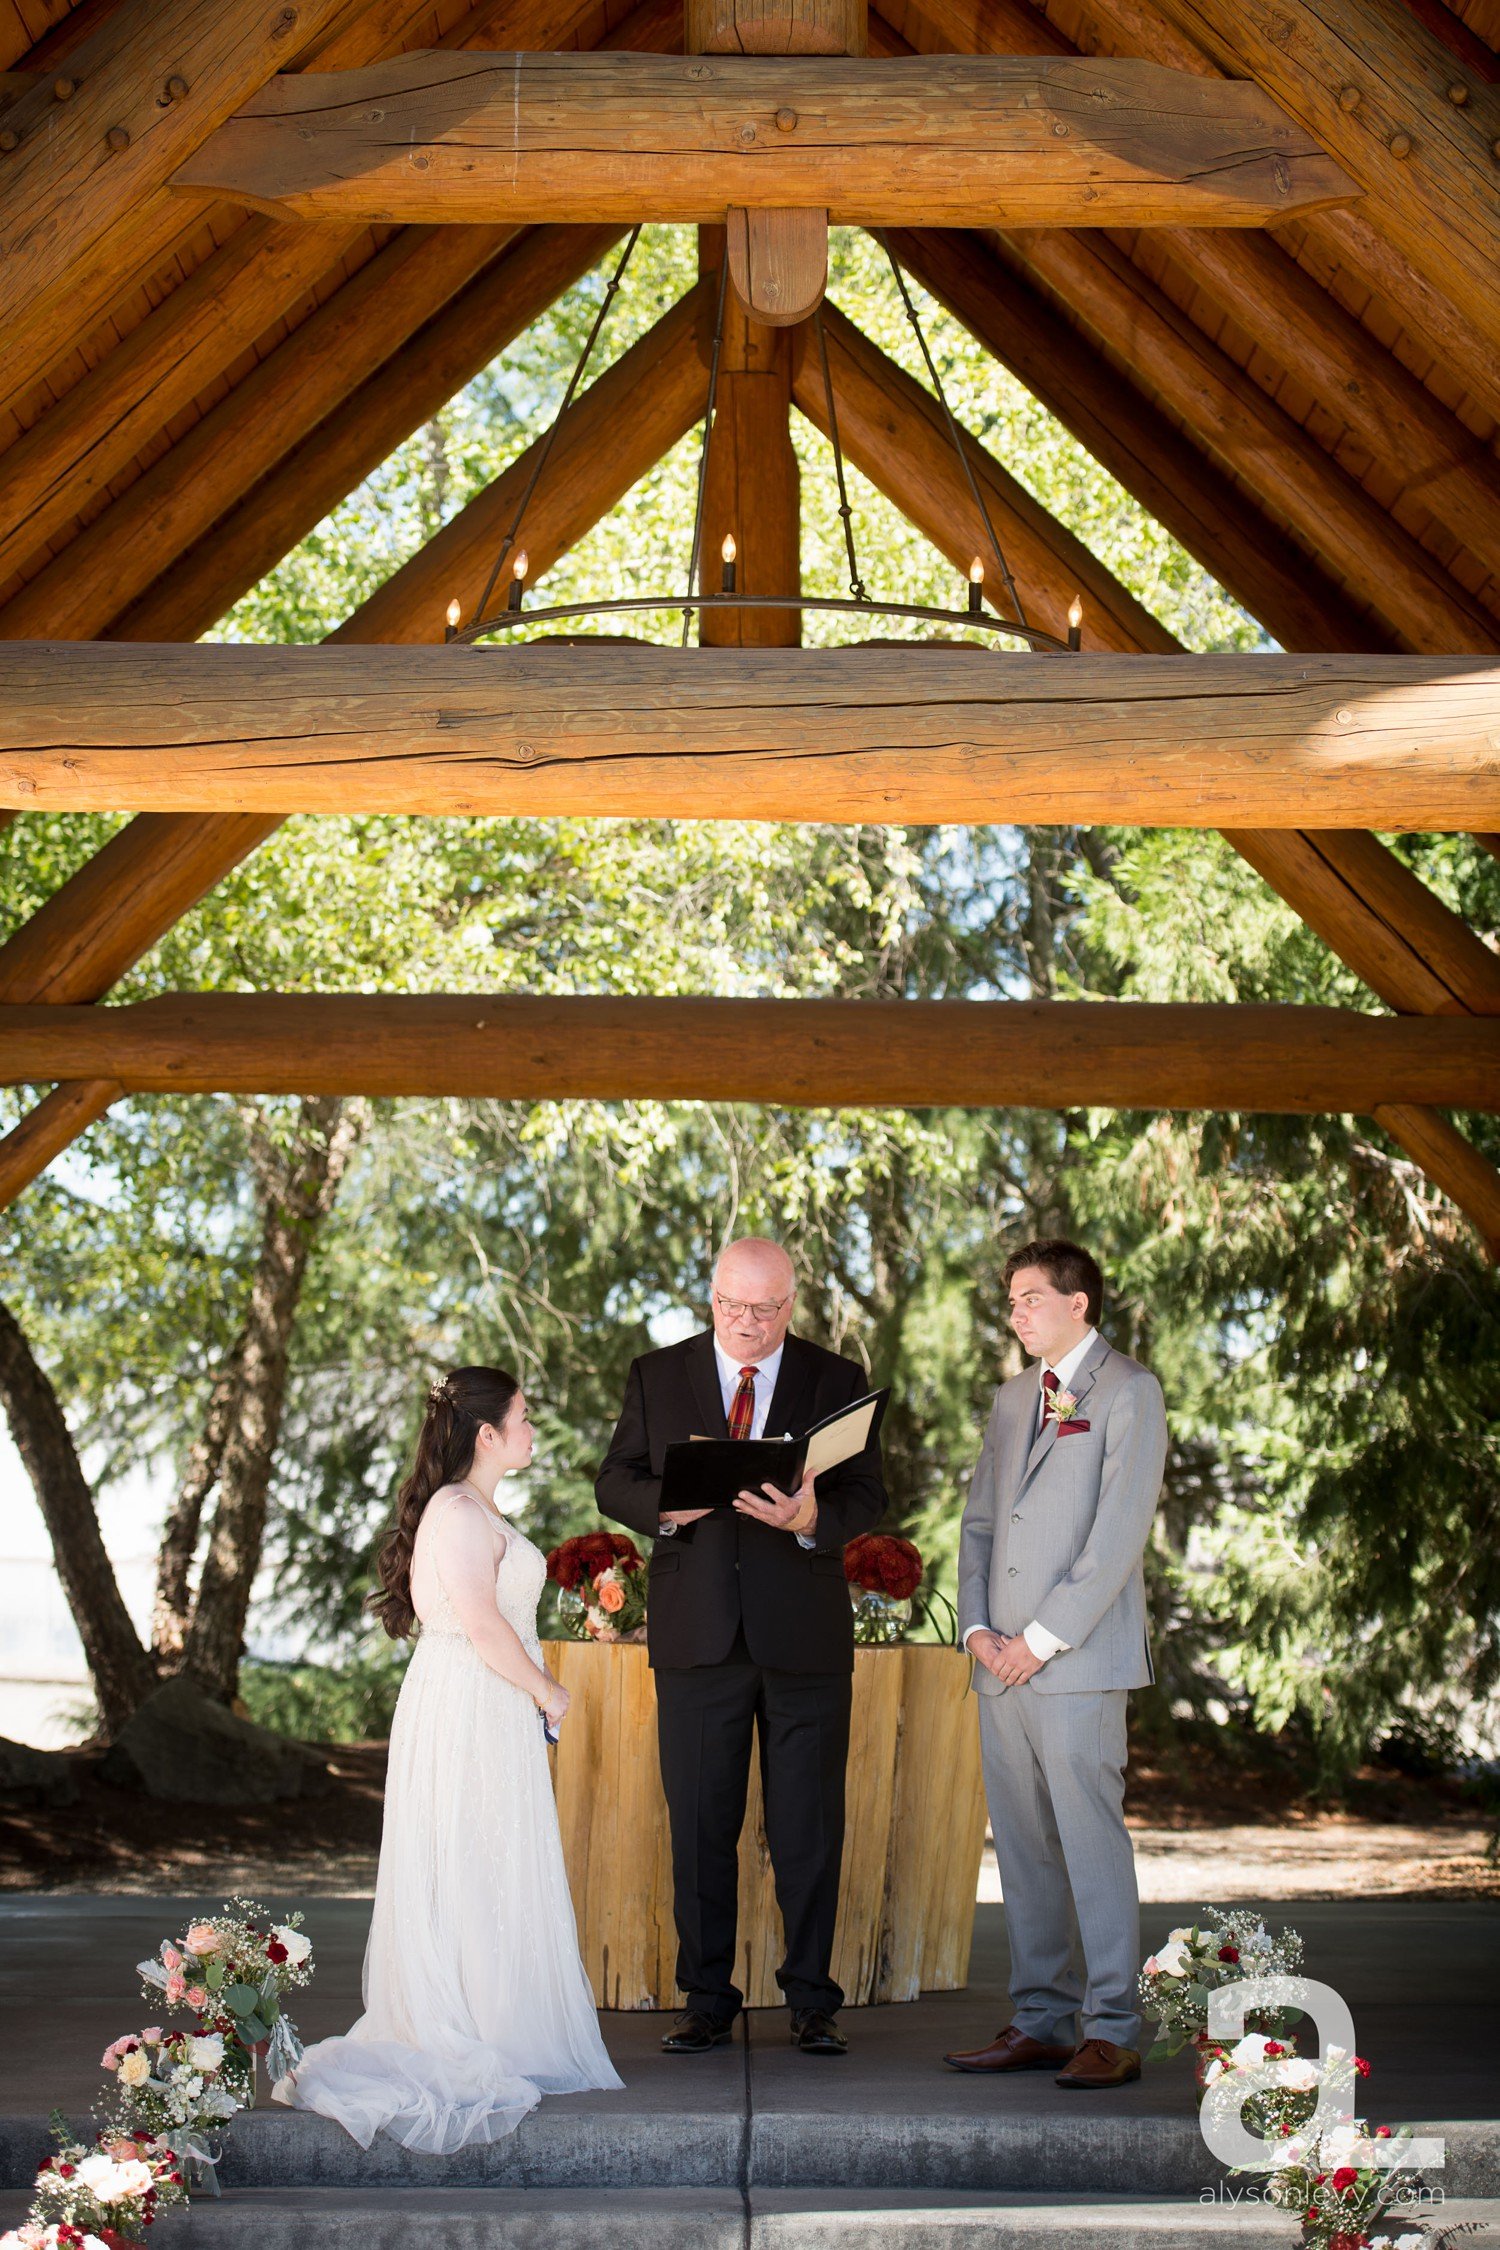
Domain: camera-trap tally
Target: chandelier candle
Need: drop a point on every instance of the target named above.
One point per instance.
(976, 587)
(728, 576)
(518, 570)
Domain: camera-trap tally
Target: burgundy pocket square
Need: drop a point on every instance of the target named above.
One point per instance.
(1068, 1429)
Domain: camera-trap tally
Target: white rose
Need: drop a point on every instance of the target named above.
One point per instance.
(206, 2053)
(1172, 1959)
(1179, 1937)
(1341, 2146)
(1300, 2074)
(1249, 2050)
(297, 1947)
(110, 2182)
(135, 2068)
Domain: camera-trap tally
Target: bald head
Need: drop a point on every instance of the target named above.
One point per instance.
(754, 1293)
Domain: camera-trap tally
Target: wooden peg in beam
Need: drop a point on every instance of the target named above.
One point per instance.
(778, 263)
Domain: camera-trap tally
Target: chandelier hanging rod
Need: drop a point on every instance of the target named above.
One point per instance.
(1046, 644)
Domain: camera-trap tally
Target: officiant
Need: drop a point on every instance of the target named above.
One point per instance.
(750, 1628)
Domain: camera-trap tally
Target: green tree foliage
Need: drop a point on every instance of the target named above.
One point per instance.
(1323, 1324)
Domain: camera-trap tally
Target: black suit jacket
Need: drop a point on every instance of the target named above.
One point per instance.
(711, 1577)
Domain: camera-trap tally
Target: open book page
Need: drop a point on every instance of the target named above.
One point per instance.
(843, 1437)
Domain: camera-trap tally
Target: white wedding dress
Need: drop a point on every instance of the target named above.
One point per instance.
(476, 2003)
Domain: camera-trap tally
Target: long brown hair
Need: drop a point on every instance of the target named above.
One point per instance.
(456, 1408)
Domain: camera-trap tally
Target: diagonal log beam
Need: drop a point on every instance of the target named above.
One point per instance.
(1161, 350)
(954, 140)
(1218, 524)
(88, 169)
(818, 1053)
(68, 458)
(613, 435)
(1379, 949)
(1295, 321)
(933, 734)
(125, 899)
(1417, 154)
(893, 430)
(314, 375)
(1437, 320)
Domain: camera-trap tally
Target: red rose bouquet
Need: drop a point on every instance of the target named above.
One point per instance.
(884, 1574)
(601, 1582)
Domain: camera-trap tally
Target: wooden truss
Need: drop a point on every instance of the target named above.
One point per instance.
(186, 390)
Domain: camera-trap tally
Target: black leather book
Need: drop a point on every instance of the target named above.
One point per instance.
(713, 1472)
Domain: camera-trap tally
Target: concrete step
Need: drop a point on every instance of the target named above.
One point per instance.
(720, 2219)
(588, 2145)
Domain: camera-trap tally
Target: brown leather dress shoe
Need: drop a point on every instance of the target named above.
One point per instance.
(1099, 2062)
(1010, 2050)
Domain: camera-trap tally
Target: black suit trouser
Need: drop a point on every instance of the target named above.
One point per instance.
(705, 1719)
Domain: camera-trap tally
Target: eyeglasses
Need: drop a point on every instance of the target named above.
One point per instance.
(732, 1307)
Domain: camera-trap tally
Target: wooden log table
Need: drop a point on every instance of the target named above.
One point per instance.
(912, 1848)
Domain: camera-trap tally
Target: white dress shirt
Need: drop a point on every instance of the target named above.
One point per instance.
(765, 1372)
(1036, 1636)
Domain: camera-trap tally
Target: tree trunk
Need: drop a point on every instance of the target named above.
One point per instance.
(122, 1671)
(179, 1539)
(298, 1186)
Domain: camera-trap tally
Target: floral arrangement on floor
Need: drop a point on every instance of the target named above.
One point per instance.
(1200, 1956)
(1326, 2177)
(601, 1582)
(884, 1574)
(169, 2091)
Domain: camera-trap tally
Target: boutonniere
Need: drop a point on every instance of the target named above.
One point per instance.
(1061, 1405)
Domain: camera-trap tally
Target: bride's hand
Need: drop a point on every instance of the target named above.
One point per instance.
(554, 1704)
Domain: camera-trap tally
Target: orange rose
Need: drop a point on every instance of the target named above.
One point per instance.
(611, 1597)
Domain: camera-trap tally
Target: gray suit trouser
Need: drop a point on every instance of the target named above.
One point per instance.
(1054, 1775)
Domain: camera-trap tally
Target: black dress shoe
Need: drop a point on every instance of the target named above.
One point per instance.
(694, 2034)
(817, 2034)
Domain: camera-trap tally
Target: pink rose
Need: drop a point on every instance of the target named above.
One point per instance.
(171, 1958)
(197, 1997)
(176, 1988)
(152, 2035)
(202, 1938)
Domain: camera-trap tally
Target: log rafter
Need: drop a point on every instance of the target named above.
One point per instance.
(236, 300)
(810, 1053)
(1300, 325)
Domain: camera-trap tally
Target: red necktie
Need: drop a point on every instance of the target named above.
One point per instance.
(1049, 1385)
(742, 1405)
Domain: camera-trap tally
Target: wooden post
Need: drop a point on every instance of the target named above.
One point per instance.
(776, 27)
(752, 494)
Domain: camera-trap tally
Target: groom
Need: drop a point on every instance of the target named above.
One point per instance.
(750, 1629)
(1052, 1605)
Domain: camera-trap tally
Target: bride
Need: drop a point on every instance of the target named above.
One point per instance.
(476, 2003)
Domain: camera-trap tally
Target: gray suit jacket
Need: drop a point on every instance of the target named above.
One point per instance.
(1055, 1527)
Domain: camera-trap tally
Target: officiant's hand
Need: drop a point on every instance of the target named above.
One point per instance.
(780, 1510)
(684, 1515)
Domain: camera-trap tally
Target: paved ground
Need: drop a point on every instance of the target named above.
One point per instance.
(1422, 1978)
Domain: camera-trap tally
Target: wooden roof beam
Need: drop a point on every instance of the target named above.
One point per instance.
(854, 734)
(752, 490)
(894, 432)
(153, 79)
(408, 316)
(72, 454)
(956, 141)
(1434, 314)
(1230, 416)
(1376, 943)
(822, 1054)
(1371, 82)
(1214, 519)
(117, 906)
(1296, 322)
